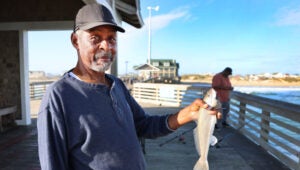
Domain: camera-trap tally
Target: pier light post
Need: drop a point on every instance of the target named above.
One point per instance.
(126, 66)
(149, 31)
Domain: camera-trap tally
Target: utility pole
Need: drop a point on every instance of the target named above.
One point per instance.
(149, 31)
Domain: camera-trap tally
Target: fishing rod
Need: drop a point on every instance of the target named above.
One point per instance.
(233, 133)
(219, 141)
(177, 136)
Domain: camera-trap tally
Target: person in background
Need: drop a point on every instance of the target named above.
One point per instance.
(88, 119)
(221, 83)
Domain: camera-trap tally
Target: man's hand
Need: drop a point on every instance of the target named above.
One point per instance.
(211, 110)
(190, 113)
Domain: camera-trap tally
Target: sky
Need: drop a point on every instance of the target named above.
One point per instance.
(203, 36)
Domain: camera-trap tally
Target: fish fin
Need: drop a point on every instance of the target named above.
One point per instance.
(213, 140)
(201, 165)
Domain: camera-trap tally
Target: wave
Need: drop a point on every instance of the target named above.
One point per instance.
(251, 89)
(287, 94)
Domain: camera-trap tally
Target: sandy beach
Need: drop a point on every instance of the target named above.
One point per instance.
(259, 83)
(275, 83)
(34, 107)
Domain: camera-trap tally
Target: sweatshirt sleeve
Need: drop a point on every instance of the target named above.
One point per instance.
(52, 145)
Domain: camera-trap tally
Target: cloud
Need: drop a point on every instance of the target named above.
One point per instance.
(134, 38)
(162, 21)
(288, 17)
(158, 21)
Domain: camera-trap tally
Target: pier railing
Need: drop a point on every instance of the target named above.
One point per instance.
(38, 88)
(166, 94)
(272, 124)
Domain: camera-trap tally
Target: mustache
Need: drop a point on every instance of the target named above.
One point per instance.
(103, 54)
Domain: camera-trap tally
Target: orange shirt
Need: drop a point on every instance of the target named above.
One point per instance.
(223, 82)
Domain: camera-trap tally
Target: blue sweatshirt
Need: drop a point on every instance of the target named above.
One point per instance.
(90, 126)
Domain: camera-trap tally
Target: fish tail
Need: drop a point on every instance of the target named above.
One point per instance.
(201, 165)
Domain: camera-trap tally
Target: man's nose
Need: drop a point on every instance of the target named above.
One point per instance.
(105, 45)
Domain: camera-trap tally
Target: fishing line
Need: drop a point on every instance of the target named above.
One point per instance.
(236, 130)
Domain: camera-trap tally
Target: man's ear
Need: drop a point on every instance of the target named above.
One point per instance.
(74, 40)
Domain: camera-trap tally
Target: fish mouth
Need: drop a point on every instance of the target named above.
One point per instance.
(211, 98)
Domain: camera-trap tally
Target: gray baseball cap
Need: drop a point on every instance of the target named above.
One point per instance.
(93, 15)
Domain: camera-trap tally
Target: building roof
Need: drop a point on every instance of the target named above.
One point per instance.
(147, 67)
(161, 62)
(157, 64)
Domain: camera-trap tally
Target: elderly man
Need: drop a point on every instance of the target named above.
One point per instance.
(88, 119)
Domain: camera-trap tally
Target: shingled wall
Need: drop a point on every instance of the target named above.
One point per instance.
(9, 73)
(28, 11)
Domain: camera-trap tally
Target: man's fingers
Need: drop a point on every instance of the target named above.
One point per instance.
(199, 102)
(219, 115)
(195, 107)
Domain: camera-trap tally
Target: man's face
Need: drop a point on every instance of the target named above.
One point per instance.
(227, 74)
(97, 47)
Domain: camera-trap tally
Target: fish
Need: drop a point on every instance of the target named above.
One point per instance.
(203, 133)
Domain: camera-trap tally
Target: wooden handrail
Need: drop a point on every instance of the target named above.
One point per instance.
(38, 88)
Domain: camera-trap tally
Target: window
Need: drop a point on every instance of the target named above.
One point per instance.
(166, 64)
(155, 64)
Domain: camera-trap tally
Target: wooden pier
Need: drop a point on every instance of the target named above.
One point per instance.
(18, 149)
(264, 133)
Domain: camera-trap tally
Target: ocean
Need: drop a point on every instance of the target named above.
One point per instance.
(287, 94)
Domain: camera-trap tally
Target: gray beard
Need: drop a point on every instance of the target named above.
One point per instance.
(100, 68)
(104, 66)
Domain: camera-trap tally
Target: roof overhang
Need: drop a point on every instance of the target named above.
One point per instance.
(129, 10)
(59, 14)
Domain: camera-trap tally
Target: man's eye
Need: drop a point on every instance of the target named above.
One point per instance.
(112, 40)
(95, 39)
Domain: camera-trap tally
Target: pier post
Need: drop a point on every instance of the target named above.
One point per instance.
(242, 114)
(265, 125)
(32, 92)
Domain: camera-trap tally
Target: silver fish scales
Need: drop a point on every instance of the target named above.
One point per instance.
(203, 133)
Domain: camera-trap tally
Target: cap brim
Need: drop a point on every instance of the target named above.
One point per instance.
(96, 24)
